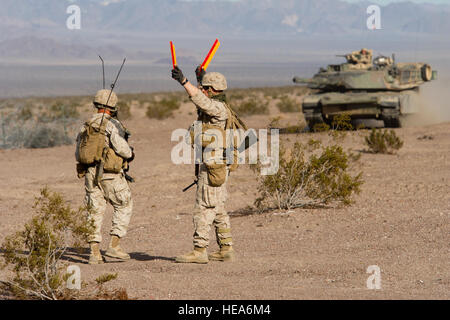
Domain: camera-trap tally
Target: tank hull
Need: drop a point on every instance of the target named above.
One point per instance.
(389, 107)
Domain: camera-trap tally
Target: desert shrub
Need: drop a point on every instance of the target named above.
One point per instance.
(25, 113)
(63, 111)
(35, 252)
(105, 278)
(52, 126)
(124, 110)
(104, 294)
(250, 107)
(321, 127)
(236, 96)
(309, 175)
(46, 137)
(383, 141)
(287, 104)
(296, 128)
(342, 122)
(275, 122)
(163, 109)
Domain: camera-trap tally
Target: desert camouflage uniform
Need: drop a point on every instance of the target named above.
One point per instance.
(210, 201)
(113, 187)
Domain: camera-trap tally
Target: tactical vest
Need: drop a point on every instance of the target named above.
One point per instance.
(232, 123)
(91, 147)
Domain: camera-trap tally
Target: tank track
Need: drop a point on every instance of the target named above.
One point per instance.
(391, 118)
(312, 119)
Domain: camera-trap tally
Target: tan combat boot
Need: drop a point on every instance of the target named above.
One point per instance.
(226, 253)
(115, 251)
(95, 256)
(198, 255)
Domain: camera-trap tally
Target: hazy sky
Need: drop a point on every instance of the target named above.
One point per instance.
(390, 1)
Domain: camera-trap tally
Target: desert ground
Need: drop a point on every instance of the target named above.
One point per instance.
(399, 221)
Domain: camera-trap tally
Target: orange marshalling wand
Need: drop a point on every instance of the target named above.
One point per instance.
(210, 55)
(174, 55)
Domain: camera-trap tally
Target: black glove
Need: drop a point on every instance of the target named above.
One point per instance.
(132, 155)
(200, 73)
(177, 74)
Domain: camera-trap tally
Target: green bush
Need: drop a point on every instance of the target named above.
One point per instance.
(342, 122)
(163, 109)
(383, 141)
(321, 127)
(309, 175)
(35, 252)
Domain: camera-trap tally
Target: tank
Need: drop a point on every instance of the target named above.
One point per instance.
(379, 89)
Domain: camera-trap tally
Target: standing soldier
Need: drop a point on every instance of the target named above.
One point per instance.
(213, 113)
(103, 153)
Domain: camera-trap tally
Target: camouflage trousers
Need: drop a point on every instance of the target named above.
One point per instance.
(113, 189)
(210, 209)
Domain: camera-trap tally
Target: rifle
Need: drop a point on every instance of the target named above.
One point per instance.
(99, 171)
(197, 169)
(129, 178)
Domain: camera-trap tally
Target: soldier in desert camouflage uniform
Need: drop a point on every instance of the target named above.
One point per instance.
(210, 199)
(111, 187)
(360, 59)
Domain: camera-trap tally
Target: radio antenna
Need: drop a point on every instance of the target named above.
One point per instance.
(103, 67)
(113, 85)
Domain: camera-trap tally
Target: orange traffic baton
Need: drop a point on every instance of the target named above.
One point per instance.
(210, 55)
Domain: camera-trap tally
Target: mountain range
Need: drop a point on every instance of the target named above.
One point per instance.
(37, 28)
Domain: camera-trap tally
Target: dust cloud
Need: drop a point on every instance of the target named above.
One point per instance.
(434, 105)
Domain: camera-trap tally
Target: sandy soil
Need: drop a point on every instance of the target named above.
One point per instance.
(399, 222)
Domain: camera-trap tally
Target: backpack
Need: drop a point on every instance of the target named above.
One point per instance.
(92, 143)
(91, 146)
(233, 126)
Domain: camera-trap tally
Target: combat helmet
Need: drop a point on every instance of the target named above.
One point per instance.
(103, 98)
(215, 80)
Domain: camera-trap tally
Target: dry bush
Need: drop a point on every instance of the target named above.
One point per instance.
(123, 110)
(287, 104)
(163, 109)
(35, 252)
(26, 126)
(383, 141)
(287, 129)
(309, 175)
(107, 294)
(250, 107)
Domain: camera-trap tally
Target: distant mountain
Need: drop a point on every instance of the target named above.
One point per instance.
(30, 47)
(269, 17)
(37, 28)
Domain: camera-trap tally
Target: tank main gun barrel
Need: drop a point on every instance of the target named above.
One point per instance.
(302, 80)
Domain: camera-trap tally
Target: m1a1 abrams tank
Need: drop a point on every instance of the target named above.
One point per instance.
(364, 89)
